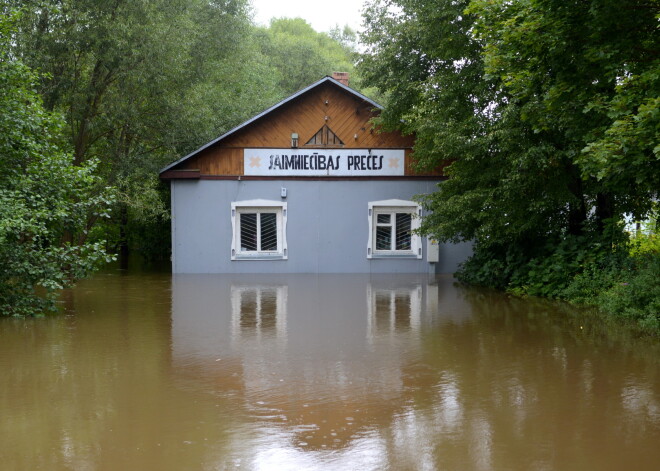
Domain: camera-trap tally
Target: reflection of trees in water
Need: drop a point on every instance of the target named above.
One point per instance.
(527, 372)
(559, 321)
(512, 372)
(77, 377)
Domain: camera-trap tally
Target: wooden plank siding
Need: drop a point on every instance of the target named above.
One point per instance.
(347, 116)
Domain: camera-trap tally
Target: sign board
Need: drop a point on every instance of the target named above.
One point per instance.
(324, 162)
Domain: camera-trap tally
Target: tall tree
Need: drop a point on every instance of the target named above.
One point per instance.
(426, 59)
(299, 56)
(142, 82)
(537, 105)
(587, 73)
(45, 199)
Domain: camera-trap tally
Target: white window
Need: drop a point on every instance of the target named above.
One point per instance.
(392, 225)
(258, 230)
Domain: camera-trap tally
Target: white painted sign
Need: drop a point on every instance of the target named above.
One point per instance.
(324, 162)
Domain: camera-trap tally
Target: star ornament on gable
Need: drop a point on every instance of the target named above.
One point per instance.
(393, 162)
(255, 162)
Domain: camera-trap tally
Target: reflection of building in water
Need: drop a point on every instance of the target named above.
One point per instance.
(305, 354)
(258, 310)
(393, 309)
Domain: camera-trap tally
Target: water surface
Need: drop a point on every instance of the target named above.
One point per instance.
(331, 372)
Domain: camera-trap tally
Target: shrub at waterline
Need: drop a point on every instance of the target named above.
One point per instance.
(629, 289)
(622, 280)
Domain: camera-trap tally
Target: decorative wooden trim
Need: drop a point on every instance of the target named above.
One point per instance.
(377, 178)
(180, 175)
(222, 147)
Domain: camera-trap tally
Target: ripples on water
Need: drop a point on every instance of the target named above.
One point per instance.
(337, 372)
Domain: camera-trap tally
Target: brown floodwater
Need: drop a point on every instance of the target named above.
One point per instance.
(329, 372)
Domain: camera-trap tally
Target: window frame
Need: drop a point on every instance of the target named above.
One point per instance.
(259, 207)
(392, 207)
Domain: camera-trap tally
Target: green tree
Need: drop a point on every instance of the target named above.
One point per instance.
(45, 200)
(141, 83)
(299, 56)
(546, 111)
(587, 75)
(426, 59)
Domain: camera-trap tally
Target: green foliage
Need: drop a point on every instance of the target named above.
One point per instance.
(142, 83)
(298, 56)
(45, 200)
(622, 282)
(586, 77)
(645, 246)
(491, 266)
(551, 274)
(637, 296)
(547, 113)
(646, 239)
(625, 156)
(628, 290)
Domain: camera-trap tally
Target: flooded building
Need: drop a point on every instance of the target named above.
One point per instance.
(307, 186)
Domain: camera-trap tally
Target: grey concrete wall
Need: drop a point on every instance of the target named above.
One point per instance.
(327, 229)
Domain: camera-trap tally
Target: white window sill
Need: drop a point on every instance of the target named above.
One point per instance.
(387, 255)
(260, 257)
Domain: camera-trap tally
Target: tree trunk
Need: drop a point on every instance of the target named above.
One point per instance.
(604, 210)
(577, 211)
(123, 240)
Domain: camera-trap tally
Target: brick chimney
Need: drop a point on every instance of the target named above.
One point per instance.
(341, 77)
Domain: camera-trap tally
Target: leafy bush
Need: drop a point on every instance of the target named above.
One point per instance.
(622, 280)
(637, 297)
(493, 265)
(45, 200)
(587, 286)
(645, 245)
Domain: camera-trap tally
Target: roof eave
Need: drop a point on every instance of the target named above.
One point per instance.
(272, 108)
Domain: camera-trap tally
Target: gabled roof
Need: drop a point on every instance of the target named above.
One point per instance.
(273, 108)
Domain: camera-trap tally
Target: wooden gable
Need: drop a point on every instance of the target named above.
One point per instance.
(326, 107)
